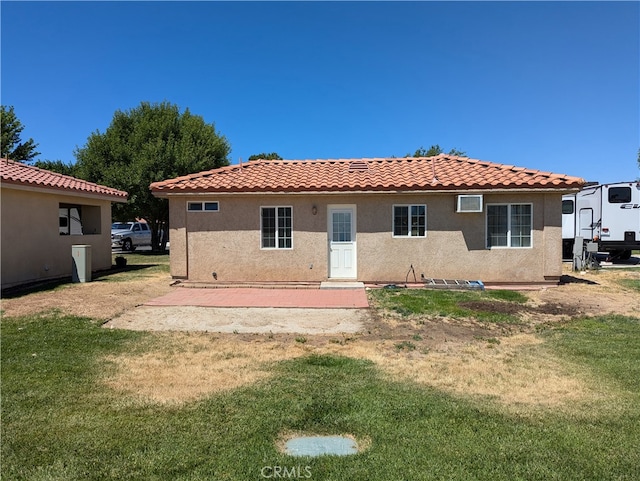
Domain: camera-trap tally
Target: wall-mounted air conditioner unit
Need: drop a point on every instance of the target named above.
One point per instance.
(469, 203)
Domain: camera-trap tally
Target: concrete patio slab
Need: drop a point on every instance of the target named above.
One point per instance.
(250, 310)
(241, 320)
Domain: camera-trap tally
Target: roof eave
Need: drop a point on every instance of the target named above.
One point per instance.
(393, 190)
(61, 191)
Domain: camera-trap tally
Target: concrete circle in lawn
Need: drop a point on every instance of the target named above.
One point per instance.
(320, 446)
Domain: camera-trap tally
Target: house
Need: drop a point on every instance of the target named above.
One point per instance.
(370, 220)
(43, 215)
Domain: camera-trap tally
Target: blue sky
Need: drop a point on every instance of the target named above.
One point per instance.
(544, 85)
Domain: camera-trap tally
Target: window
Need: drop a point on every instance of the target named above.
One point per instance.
(341, 226)
(409, 220)
(203, 206)
(619, 195)
(567, 206)
(509, 225)
(276, 227)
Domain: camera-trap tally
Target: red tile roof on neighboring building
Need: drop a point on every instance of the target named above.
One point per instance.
(17, 173)
(442, 172)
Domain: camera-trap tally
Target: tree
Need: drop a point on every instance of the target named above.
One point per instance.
(11, 146)
(57, 166)
(150, 143)
(271, 156)
(436, 150)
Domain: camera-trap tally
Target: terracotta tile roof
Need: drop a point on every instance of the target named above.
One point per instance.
(17, 173)
(442, 172)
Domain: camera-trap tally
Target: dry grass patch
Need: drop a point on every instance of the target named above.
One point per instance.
(100, 299)
(518, 372)
(185, 367)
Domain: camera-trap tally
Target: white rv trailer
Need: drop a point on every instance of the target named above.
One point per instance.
(608, 214)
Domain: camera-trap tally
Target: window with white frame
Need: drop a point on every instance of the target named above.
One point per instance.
(410, 220)
(276, 229)
(509, 225)
(206, 206)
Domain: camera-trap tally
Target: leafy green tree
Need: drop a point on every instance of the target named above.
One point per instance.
(57, 166)
(146, 144)
(271, 156)
(12, 146)
(435, 150)
(458, 153)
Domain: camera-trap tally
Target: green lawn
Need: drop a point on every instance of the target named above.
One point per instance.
(139, 264)
(60, 423)
(482, 305)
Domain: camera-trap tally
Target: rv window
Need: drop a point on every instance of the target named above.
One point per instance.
(619, 195)
(69, 219)
(79, 219)
(567, 207)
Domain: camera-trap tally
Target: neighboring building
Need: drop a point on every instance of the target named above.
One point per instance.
(43, 215)
(368, 220)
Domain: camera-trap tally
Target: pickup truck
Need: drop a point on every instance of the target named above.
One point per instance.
(129, 235)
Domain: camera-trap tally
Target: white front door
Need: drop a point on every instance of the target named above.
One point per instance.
(342, 242)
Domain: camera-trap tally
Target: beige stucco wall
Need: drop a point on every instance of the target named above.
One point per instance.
(228, 242)
(32, 248)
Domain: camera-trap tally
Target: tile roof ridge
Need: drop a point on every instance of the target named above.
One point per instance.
(197, 175)
(508, 167)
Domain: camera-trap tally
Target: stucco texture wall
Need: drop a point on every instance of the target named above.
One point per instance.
(32, 247)
(227, 242)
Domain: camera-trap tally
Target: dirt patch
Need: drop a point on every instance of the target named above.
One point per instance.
(593, 293)
(241, 320)
(553, 309)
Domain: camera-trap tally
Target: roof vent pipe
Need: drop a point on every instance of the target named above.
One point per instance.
(433, 169)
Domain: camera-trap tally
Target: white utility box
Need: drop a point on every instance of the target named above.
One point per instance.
(81, 255)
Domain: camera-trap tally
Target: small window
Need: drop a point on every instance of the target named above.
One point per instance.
(203, 206)
(410, 220)
(619, 195)
(567, 206)
(509, 225)
(276, 227)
